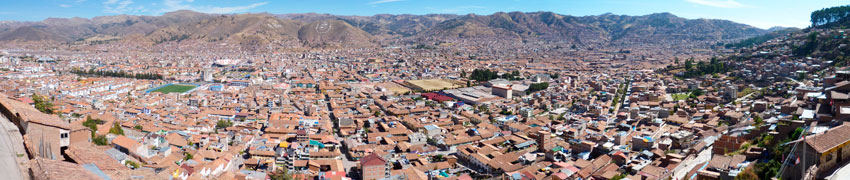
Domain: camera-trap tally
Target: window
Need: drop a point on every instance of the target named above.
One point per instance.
(63, 135)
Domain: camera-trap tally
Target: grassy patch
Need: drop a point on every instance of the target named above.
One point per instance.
(175, 88)
(680, 96)
(745, 92)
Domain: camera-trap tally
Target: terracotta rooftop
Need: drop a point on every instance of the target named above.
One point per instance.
(829, 139)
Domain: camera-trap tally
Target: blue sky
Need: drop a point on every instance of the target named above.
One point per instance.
(759, 13)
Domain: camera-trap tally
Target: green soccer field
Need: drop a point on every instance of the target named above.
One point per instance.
(178, 88)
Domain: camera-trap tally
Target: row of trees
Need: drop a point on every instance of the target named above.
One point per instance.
(831, 16)
(537, 87)
(703, 68)
(483, 75)
(487, 74)
(121, 74)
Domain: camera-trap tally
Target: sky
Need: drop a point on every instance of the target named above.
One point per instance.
(758, 13)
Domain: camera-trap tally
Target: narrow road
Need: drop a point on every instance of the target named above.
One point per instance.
(703, 157)
(9, 166)
(612, 116)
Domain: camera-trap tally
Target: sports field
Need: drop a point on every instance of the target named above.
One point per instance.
(432, 84)
(178, 88)
(395, 88)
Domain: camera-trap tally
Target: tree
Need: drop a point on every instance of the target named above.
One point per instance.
(280, 175)
(431, 141)
(768, 169)
(116, 129)
(833, 16)
(188, 156)
(43, 104)
(619, 177)
(99, 140)
(223, 124)
(506, 112)
(758, 120)
(766, 141)
(438, 158)
(697, 92)
(91, 123)
(139, 127)
(483, 75)
(797, 133)
(483, 108)
(537, 87)
(748, 174)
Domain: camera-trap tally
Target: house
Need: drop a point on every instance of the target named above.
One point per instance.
(44, 134)
(80, 133)
(433, 130)
(128, 146)
(417, 138)
(828, 151)
(373, 167)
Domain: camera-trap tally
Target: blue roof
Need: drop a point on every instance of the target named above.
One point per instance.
(317, 143)
(431, 127)
(115, 154)
(93, 169)
(525, 144)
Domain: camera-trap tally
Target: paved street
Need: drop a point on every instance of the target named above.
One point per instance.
(843, 172)
(703, 157)
(9, 166)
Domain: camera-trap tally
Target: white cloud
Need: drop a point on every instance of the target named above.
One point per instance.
(174, 5)
(121, 7)
(718, 3)
(64, 5)
(383, 1)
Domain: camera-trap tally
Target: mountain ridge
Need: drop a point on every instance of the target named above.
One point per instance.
(608, 28)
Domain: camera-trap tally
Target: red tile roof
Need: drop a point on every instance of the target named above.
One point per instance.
(372, 160)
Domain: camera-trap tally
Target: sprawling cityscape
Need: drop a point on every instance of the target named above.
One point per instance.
(191, 94)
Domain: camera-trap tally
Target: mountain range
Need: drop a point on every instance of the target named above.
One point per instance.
(317, 30)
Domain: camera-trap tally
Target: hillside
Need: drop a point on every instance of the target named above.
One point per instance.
(381, 24)
(332, 33)
(607, 28)
(662, 29)
(74, 29)
(236, 28)
(775, 33)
